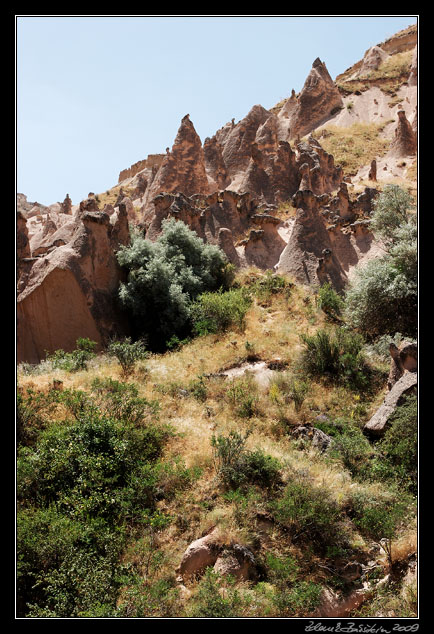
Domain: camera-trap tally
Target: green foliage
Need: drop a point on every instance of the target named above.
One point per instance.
(299, 600)
(86, 480)
(379, 517)
(382, 299)
(121, 401)
(398, 449)
(271, 284)
(209, 601)
(336, 356)
(355, 451)
(329, 301)
(391, 211)
(237, 466)
(166, 276)
(198, 389)
(33, 409)
(218, 312)
(307, 511)
(76, 360)
(127, 352)
(285, 388)
(242, 396)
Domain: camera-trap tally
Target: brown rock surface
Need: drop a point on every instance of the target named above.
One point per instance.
(405, 140)
(318, 100)
(308, 255)
(378, 422)
(183, 168)
(70, 293)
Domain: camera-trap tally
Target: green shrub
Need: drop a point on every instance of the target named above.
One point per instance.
(355, 451)
(338, 356)
(127, 353)
(379, 517)
(87, 482)
(76, 360)
(166, 276)
(329, 301)
(398, 449)
(382, 298)
(210, 603)
(307, 511)
(242, 396)
(298, 600)
(121, 401)
(218, 312)
(271, 284)
(237, 466)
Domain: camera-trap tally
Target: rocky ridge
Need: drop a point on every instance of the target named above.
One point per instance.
(229, 190)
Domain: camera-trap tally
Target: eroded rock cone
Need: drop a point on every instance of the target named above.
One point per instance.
(183, 168)
(318, 100)
(405, 141)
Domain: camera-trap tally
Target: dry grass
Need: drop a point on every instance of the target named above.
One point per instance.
(354, 146)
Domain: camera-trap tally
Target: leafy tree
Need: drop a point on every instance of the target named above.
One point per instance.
(166, 276)
(382, 299)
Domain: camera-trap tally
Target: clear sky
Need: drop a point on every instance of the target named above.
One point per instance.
(98, 93)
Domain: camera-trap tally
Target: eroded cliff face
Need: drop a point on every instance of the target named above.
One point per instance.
(70, 292)
(230, 191)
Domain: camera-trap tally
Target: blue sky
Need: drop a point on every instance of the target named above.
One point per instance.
(98, 93)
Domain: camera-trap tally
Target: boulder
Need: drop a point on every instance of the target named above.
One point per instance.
(404, 359)
(377, 424)
(200, 554)
(238, 562)
(70, 292)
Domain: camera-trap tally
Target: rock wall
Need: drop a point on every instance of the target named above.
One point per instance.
(70, 292)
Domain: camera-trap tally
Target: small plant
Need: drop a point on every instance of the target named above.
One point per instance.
(237, 466)
(217, 312)
(329, 301)
(380, 517)
(242, 396)
(75, 360)
(307, 511)
(127, 353)
(198, 389)
(336, 356)
(210, 602)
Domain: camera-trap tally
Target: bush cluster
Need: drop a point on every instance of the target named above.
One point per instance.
(85, 482)
(165, 277)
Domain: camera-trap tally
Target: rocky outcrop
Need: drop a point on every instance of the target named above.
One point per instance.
(66, 206)
(153, 160)
(405, 140)
(412, 78)
(226, 559)
(372, 59)
(404, 359)
(377, 425)
(308, 255)
(182, 170)
(70, 292)
(317, 102)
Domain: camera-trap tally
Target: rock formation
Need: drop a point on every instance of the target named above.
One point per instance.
(318, 100)
(377, 424)
(405, 140)
(308, 255)
(70, 291)
(182, 169)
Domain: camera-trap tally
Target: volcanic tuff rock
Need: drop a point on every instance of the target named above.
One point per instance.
(318, 100)
(377, 424)
(69, 293)
(182, 169)
(405, 141)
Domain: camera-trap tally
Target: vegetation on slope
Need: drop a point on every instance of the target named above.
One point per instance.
(121, 468)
